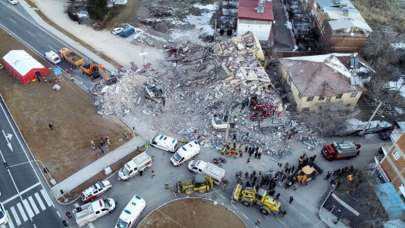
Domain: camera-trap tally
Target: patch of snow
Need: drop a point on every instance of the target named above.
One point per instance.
(288, 25)
(397, 86)
(201, 25)
(398, 45)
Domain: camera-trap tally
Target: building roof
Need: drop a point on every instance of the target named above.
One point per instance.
(247, 10)
(320, 75)
(21, 61)
(401, 142)
(343, 15)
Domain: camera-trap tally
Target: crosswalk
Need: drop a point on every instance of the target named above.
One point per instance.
(27, 208)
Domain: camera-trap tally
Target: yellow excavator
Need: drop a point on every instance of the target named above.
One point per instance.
(248, 196)
(199, 183)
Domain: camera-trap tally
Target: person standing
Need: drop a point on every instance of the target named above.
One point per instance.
(290, 200)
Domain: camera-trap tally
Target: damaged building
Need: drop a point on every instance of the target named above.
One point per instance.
(325, 81)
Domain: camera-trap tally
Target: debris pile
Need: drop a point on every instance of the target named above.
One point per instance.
(199, 83)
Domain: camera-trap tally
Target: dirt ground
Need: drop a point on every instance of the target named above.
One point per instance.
(66, 148)
(191, 213)
(125, 14)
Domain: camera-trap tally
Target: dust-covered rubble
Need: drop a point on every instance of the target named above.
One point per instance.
(198, 82)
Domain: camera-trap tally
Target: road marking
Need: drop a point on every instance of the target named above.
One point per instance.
(22, 192)
(46, 197)
(41, 204)
(22, 212)
(28, 208)
(10, 222)
(33, 205)
(15, 215)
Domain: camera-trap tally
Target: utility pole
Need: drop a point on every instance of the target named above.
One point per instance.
(372, 117)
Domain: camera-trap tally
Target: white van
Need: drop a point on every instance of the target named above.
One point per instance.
(198, 166)
(52, 57)
(131, 212)
(164, 142)
(135, 165)
(185, 153)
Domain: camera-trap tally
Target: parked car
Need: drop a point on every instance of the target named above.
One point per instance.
(117, 30)
(3, 216)
(131, 212)
(198, 166)
(13, 2)
(95, 190)
(164, 142)
(135, 165)
(185, 153)
(52, 57)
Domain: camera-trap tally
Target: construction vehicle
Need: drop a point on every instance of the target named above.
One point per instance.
(90, 70)
(199, 183)
(339, 151)
(248, 196)
(108, 78)
(95, 71)
(307, 173)
(71, 57)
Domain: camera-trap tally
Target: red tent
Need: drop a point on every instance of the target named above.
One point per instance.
(23, 66)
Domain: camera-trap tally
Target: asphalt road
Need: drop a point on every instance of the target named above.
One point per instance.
(16, 21)
(24, 197)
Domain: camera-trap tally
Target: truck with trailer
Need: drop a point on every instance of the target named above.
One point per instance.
(71, 57)
(198, 166)
(90, 212)
(339, 151)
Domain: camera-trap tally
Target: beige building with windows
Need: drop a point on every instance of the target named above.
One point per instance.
(329, 81)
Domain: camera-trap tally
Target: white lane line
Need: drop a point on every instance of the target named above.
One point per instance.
(22, 212)
(28, 208)
(46, 197)
(10, 222)
(15, 215)
(33, 205)
(22, 192)
(41, 204)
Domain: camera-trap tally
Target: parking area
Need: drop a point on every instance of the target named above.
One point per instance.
(306, 198)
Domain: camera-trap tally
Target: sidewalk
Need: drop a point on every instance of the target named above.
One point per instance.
(97, 166)
(61, 36)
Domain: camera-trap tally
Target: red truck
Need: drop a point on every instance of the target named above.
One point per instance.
(339, 151)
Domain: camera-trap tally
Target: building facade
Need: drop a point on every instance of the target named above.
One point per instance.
(321, 82)
(393, 163)
(255, 16)
(341, 26)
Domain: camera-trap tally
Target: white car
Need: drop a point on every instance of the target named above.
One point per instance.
(164, 142)
(3, 216)
(13, 2)
(117, 30)
(52, 57)
(95, 190)
(131, 212)
(185, 153)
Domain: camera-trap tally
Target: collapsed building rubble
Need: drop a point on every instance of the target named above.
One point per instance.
(200, 82)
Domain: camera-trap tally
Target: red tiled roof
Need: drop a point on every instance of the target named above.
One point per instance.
(247, 10)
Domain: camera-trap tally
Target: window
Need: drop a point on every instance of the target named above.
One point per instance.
(354, 94)
(396, 154)
(339, 96)
(321, 98)
(310, 98)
